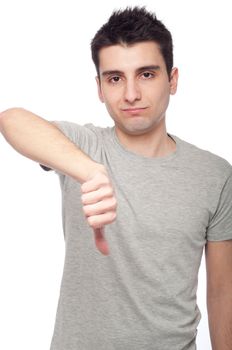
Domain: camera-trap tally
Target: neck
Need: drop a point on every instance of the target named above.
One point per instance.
(153, 144)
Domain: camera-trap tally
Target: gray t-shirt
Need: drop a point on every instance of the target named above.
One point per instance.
(143, 295)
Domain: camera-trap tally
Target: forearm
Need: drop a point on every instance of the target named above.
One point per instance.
(220, 322)
(39, 140)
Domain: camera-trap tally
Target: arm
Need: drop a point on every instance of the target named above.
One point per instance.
(43, 142)
(219, 293)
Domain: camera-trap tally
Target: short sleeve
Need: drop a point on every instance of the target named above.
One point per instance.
(84, 136)
(45, 167)
(220, 225)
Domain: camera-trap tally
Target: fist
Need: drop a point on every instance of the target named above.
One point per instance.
(99, 205)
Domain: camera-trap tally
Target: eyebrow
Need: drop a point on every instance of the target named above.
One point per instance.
(138, 70)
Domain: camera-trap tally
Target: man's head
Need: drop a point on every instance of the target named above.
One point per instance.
(133, 57)
(130, 26)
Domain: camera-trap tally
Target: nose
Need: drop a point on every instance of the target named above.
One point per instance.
(132, 92)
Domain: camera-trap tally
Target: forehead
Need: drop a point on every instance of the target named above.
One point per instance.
(128, 58)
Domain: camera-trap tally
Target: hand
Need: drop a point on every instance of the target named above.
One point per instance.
(99, 205)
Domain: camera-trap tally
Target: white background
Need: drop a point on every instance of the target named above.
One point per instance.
(46, 67)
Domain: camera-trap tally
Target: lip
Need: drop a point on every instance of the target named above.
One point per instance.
(134, 111)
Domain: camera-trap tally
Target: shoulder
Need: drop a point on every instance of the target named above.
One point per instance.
(204, 161)
(88, 128)
(98, 130)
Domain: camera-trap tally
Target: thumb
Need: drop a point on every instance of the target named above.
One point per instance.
(100, 241)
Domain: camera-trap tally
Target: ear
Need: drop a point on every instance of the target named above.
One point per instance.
(174, 81)
(99, 89)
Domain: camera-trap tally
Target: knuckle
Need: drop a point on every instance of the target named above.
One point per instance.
(110, 191)
(85, 210)
(101, 177)
(88, 210)
(91, 221)
(84, 187)
(113, 216)
(105, 180)
(114, 202)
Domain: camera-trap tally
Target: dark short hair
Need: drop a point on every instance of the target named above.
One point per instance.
(130, 26)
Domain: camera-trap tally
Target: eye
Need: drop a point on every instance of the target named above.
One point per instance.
(148, 75)
(114, 79)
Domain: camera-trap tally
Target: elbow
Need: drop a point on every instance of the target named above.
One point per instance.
(11, 111)
(8, 113)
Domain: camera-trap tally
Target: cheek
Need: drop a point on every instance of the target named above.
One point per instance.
(110, 103)
(111, 98)
(161, 95)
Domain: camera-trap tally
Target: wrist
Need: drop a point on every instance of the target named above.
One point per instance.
(94, 168)
(88, 169)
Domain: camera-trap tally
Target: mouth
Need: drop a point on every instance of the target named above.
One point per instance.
(134, 110)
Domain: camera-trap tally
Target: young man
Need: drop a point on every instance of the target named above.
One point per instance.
(171, 198)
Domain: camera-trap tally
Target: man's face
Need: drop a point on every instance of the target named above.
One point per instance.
(134, 86)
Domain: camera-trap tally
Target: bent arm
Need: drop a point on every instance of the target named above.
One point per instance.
(43, 142)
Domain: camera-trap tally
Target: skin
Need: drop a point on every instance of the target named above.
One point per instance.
(123, 85)
(218, 257)
(99, 206)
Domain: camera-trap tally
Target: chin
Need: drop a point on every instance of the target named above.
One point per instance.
(135, 130)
